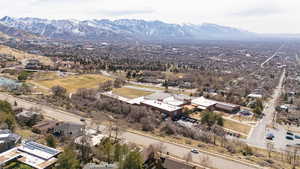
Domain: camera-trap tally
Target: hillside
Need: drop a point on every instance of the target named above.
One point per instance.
(23, 56)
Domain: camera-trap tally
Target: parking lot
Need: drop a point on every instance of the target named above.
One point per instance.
(280, 141)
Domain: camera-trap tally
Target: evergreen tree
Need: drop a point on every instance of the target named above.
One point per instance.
(68, 159)
(51, 141)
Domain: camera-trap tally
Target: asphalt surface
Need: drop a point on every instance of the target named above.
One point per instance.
(174, 149)
(266, 61)
(258, 136)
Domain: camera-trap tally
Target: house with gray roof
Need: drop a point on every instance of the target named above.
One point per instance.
(8, 140)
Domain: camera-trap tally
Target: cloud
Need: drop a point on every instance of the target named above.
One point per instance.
(260, 11)
(123, 12)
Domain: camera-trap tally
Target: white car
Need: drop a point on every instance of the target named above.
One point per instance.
(195, 151)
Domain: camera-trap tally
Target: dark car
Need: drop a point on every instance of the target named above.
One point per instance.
(289, 138)
(270, 136)
(297, 137)
(195, 151)
(289, 133)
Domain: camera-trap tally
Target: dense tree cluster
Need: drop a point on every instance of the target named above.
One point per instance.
(7, 115)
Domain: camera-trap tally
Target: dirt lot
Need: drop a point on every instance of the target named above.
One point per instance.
(130, 93)
(74, 82)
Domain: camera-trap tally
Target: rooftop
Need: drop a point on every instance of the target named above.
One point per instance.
(6, 135)
(32, 154)
(161, 105)
(203, 102)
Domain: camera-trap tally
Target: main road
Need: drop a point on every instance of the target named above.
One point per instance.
(266, 61)
(217, 161)
(257, 137)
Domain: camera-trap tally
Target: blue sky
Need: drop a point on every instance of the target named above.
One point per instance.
(262, 16)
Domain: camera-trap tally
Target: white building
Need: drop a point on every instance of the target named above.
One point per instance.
(31, 153)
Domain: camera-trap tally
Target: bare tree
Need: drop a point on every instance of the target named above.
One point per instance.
(188, 157)
(270, 147)
(205, 161)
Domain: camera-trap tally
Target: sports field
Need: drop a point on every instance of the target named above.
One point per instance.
(130, 93)
(74, 82)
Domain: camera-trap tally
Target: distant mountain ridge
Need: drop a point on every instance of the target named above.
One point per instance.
(121, 29)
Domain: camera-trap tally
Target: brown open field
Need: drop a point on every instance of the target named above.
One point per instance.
(228, 124)
(74, 82)
(23, 56)
(239, 127)
(130, 93)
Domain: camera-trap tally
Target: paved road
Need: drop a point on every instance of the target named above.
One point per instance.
(177, 150)
(257, 137)
(266, 61)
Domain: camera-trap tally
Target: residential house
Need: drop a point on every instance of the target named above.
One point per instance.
(8, 140)
(44, 127)
(28, 117)
(68, 129)
(102, 165)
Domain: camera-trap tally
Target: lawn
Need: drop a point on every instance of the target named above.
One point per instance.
(160, 88)
(74, 82)
(239, 127)
(130, 93)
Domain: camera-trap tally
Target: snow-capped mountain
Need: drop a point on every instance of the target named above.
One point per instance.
(121, 29)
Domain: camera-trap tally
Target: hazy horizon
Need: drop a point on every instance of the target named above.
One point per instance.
(269, 16)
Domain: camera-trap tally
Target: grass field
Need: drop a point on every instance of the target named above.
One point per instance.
(74, 82)
(130, 93)
(232, 125)
(160, 88)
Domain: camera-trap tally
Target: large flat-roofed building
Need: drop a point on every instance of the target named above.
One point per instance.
(227, 107)
(163, 107)
(207, 104)
(31, 153)
(203, 103)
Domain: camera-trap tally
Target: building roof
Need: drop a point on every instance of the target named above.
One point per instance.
(31, 153)
(102, 165)
(158, 96)
(92, 139)
(45, 125)
(173, 101)
(28, 113)
(124, 99)
(161, 105)
(6, 136)
(203, 103)
(252, 95)
(38, 150)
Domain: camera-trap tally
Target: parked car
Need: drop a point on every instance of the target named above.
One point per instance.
(297, 137)
(270, 136)
(289, 138)
(195, 151)
(289, 133)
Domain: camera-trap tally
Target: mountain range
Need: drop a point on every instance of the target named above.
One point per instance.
(123, 29)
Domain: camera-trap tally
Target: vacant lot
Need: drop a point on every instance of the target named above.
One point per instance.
(239, 127)
(74, 82)
(228, 124)
(130, 93)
